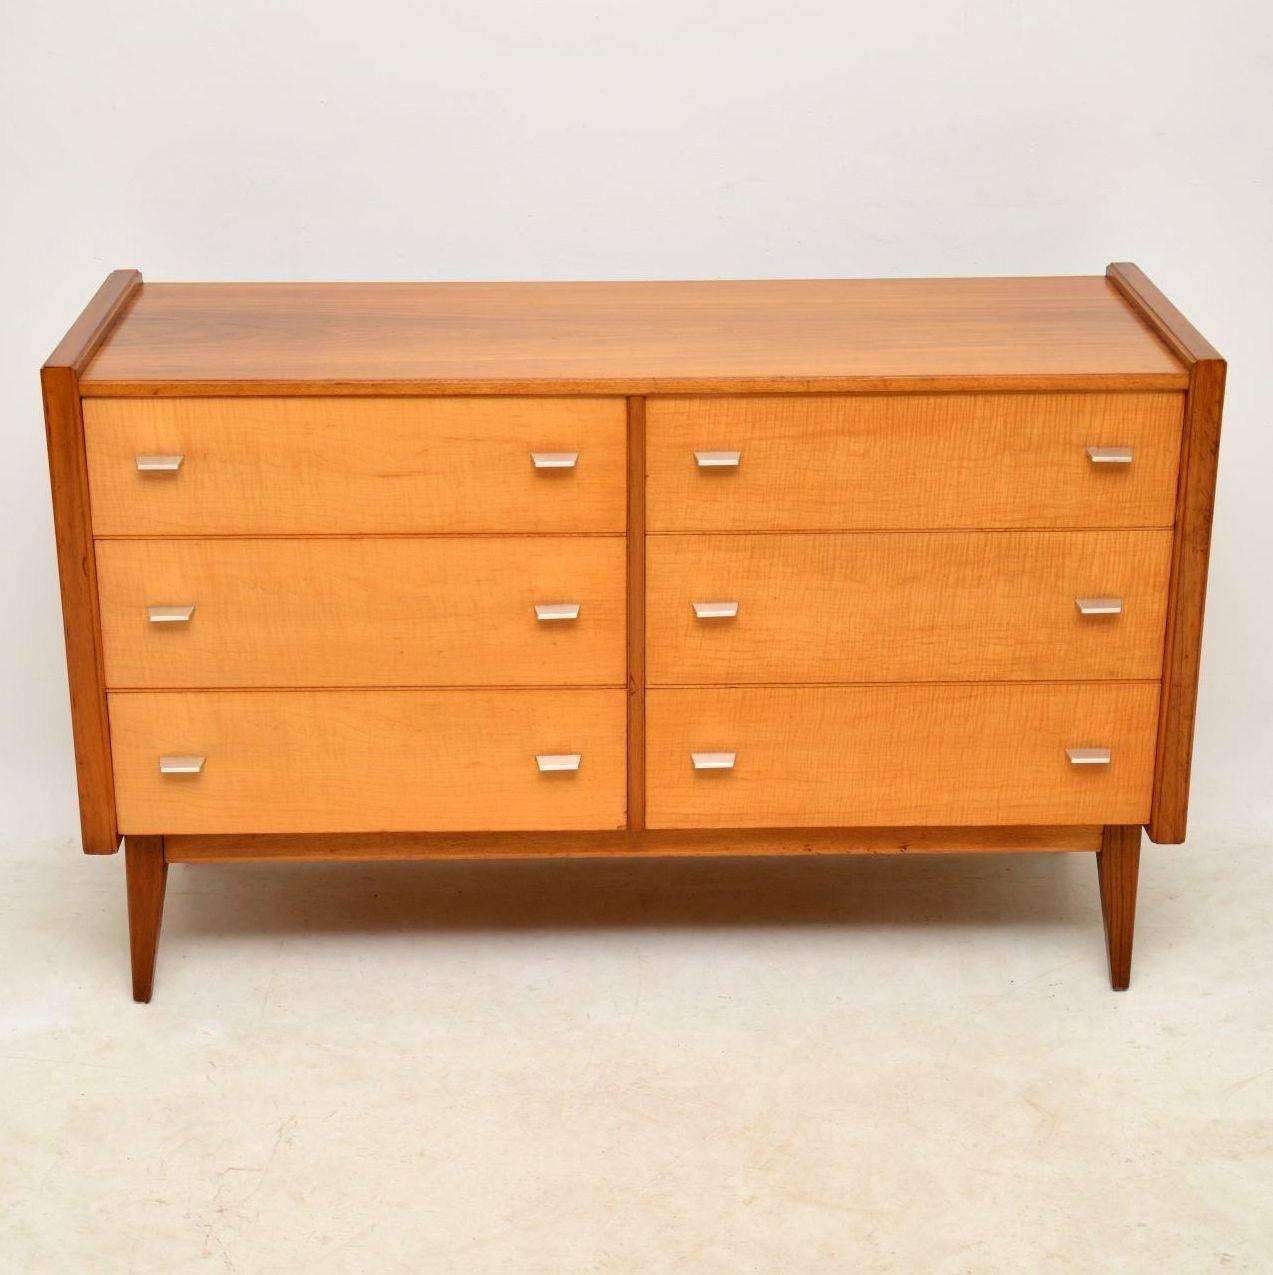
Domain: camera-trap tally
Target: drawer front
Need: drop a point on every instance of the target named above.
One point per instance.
(839, 463)
(363, 611)
(313, 465)
(365, 761)
(906, 606)
(897, 755)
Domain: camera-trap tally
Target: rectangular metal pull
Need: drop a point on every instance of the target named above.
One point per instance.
(554, 460)
(556, 610)
(159, 464)
(715, 610)
(1099, 606)
(170, 615)
(718, 460)
(1088, 756)
(1110, 455)
(548, 762)
(175, 764)
(713, 761)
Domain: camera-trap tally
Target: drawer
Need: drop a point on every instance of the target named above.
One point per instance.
(895, 755)
(364, 611)
(906, 606)
(364, 761)
(839, 463)
(280, 465)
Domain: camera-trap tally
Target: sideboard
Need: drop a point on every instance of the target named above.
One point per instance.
(705, 568)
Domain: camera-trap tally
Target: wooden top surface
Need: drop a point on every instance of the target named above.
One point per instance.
(630, 338)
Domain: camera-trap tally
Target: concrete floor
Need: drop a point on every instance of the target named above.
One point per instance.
(727, 1066)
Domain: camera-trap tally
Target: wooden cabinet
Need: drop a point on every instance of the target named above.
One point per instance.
(705, 568)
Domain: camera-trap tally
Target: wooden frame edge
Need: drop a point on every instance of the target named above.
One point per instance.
(629, 387)
(636, 615)
(1170, 326)
(77, 568)
(653, 843)
(1195, 504)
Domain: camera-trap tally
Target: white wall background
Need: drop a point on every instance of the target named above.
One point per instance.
(250, 139)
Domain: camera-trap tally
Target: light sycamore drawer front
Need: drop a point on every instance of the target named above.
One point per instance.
(363, 761)
(905, 606)
(295, 465)
(364, 611)
(892, 755)
(845, 462)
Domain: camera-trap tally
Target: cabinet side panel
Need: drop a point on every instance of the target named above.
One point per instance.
(1195, 502)
(68, 476)
(1182, 654)
(78, 576)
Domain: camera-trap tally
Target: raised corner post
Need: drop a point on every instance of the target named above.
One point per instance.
(77, 568)
(146, 869)
(1118, 868)
(1195, 500)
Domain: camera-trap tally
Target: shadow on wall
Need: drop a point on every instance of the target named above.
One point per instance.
(590, 894)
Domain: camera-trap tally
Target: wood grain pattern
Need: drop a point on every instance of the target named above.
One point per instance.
(920, 754)
(323, 465)
(1200, 450)
(735, 842)
(362, 761)
(906, 606)
(366, 611)
(64, 427)
(146, 871)
(1118, 870)
(636, 614)
(842, 462)
(631, 338)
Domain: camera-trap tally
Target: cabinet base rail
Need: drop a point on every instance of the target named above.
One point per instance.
(1117, 849)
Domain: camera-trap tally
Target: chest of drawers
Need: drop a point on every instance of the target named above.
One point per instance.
(411, 571)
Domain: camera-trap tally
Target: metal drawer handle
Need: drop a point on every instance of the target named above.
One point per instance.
(170, 615)
(1099, 606)
(1110, 455)
(554, 460)
(718, 460)
(1088, 756)
(174, 764)
(556, 610)
(713, 761)
(548, 762)
(715, 610)
(159, 464)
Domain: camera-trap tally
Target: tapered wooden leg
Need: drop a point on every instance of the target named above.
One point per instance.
(147, 873)
(1118, 866)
